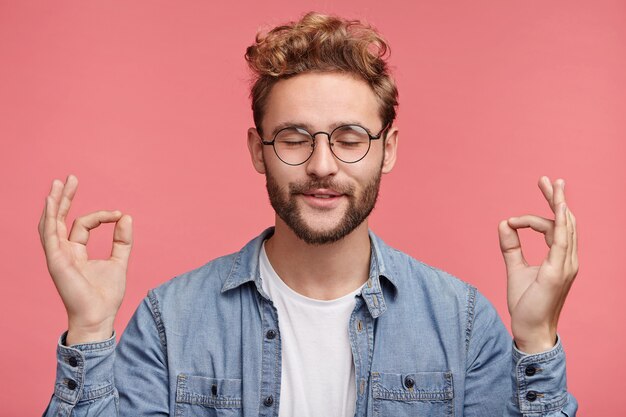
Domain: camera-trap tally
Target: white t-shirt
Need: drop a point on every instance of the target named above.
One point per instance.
(317, 367)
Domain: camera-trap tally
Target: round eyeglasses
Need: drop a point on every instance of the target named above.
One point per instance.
(349, 143)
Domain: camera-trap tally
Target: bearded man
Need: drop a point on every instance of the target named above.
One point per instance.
(316, 316)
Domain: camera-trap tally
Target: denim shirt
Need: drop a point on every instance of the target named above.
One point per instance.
(207, 343)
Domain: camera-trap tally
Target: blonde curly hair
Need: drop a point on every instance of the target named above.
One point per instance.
(321, 43)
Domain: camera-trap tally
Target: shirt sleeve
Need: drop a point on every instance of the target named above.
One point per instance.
(84, 376)
(540, 384)
(503, 381)
(105, 380)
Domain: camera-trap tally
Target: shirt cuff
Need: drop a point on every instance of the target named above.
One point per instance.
(84, 371)
(540, 384)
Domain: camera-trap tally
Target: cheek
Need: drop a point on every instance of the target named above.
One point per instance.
(283, 174)
(272, 163)
(377, 152)
(367, 169)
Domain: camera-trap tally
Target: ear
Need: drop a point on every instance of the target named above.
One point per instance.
(391, 150)
(255, 146)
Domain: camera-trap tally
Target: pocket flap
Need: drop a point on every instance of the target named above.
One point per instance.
(421, 386)
(208, 392)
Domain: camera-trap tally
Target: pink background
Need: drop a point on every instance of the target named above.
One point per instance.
(146, 102)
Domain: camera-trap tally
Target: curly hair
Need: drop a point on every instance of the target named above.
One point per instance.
(321, 43)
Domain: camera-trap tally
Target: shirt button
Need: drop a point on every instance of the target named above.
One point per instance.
(214, 389)
(71, 384)
(268, 401)
(409, 382)
(531, 396)
(530, 370)
(73, 362)
(270, 334)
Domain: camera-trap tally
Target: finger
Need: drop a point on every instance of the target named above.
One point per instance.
(83, 225)
(50, 238)
(510, 246)
(536, 223)
(69, 190)
(122, 239)
(547, 190)
(55, 192)
(558, 250)
(47, 213)
(42, 221)
(558, 196)
(571, 238)
(574, 242)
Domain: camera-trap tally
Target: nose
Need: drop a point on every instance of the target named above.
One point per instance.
(322, 162)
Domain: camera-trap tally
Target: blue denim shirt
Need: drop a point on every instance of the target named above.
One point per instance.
(207, 343)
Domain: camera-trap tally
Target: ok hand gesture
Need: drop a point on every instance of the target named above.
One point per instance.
(92, 290)
(536, 293)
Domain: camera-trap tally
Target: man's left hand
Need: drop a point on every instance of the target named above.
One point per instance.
(536, 293)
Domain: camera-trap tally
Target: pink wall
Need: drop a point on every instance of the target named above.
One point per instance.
(146, 102)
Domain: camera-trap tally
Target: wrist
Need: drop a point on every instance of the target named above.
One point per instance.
(81, 338)
(77, 335)
(537, 345)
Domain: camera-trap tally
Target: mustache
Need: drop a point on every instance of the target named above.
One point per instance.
(302, 187)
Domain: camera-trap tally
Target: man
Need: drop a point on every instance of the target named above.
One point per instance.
(316, 316)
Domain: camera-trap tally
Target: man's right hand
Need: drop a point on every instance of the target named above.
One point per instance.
(92, 290)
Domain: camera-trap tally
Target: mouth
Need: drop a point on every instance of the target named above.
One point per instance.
(322, 193)
(322, 199)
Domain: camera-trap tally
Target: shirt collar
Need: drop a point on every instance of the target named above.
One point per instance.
(246, 269)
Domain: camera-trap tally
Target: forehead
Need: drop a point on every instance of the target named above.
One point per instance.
(321, 100)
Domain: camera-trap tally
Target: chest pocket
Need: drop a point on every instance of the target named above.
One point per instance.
(413, 394)
(200, 396)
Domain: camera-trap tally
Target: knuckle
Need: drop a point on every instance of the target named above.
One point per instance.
(78, 222)
(103, 215)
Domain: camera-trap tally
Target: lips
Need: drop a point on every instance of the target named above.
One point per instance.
(322, 193)
(322, 198)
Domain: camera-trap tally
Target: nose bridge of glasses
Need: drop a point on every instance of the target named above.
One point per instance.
(314, 135)
(314, 143)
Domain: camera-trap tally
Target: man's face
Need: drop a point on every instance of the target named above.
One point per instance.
(324, 199)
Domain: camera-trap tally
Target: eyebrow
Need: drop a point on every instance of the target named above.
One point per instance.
(309, 128)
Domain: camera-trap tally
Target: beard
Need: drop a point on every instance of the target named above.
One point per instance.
(285, 204)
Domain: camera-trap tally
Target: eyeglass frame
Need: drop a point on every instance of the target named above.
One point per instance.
(328, 135)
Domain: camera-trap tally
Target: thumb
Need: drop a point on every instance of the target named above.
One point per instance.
(510, 246)
(122, 239)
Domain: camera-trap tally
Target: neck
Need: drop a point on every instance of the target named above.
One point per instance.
(323, 272)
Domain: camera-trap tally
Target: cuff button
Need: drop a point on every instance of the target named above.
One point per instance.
(409, 382)
(530, 370)
(531, 396)
(71, 384)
